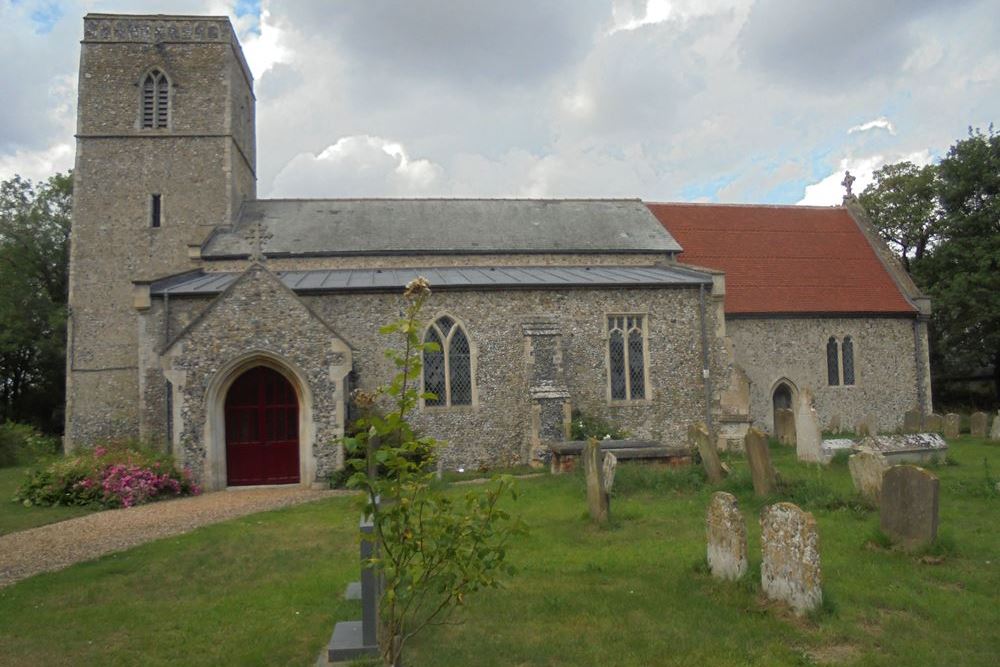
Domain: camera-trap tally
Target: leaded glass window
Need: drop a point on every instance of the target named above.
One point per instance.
(448, 371)
(155, 105)
(832, 363)
(626, 357)
(848, 354)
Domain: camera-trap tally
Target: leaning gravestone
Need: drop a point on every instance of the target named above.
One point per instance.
(978, 424)
(867, 468)
(911, 421)
(727, 537)
(995, 431)
(933, 423)
(597, 497)
(808, 436)
(759, 458)
(608, 469)
(790, 567)
(909, 509)
(952, 424)
(784, 426)
(698, 437)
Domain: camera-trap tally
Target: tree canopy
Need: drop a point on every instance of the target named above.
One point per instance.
(34, 259)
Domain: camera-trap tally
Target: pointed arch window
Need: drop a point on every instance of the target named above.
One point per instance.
(448, 370)
(627, 357)
(155, 105)
(847, 350)
(832, 362)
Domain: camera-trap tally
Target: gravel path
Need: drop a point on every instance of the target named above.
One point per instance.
(59, 545)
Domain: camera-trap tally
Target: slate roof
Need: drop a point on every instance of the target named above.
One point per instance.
(324, 227)
(392, 280)
(785, 259)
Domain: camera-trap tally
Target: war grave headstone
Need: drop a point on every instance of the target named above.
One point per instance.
(909, 506)
(700, 439)
(790, 565)
(978, 424)
(867, 468)
(907, 447)
(759, 458)
(727, 537)
(808, 436)
(952, 425)
(784, 426)
(911, 421)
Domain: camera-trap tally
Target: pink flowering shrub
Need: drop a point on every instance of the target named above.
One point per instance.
(110, 475)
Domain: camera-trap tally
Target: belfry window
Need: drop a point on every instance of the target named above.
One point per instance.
(627, 357)
(155, 104)
(448, 369)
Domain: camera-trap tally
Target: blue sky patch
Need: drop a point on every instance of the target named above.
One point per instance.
(45, 17)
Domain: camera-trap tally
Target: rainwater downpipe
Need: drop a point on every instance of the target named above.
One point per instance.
(706, 375)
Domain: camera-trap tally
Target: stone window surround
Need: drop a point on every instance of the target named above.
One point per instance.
(140, 84)
(840, 360)
(473, 367)
(648, 394)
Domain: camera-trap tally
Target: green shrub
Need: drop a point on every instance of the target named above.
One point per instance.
(584, 427)
(21, 444)
(112, 475)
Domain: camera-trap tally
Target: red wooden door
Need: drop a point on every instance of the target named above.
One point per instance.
(262, 429)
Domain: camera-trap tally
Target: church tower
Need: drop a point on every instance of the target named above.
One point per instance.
(165, 154)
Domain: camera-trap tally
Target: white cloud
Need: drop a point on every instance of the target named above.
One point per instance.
(880, 123)
(829, 191)
(37, 165)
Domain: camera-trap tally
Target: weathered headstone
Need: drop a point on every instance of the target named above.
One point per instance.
(911, 421)
(995, 431)
(867, 468)
(933, 423)
(978, 424)
(808, 436)
(952, 425)
(597, 497)
(759, 458)
(608, 469)
(909, 508)
(784, 426)
(727, 537)
(835, 426)
(790, 565)
(863, 427)
(698, 437)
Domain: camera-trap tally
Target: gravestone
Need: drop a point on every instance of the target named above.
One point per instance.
(907, 447)
(835, 426)
(759, 459)
(597, 497)
(952, 425)
(978, 424)
(808, 436)
(933, 423)
(909, 508)
(867, 468)
(608, 469)
(863, 427)
(911, 421)
(995, 431)
(784, 426)
(357, 639)
(790, 565)
(727, 537)
(698, 437)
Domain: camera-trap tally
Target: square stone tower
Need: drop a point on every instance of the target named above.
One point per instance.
(165, 154)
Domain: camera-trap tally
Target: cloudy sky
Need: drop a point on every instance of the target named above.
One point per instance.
(687, 100)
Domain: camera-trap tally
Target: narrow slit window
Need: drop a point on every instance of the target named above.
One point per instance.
(154, 210)
(154, 108)
(848, 355)
(626, 358)
(832, 363)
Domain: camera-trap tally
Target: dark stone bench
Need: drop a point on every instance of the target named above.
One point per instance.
(565, 454)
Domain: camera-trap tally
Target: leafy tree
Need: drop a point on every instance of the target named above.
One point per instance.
(902, 204)
(962, 273)
(432, 548)
(34, 259)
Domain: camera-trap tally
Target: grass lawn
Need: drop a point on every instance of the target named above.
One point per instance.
(14, 516)
(267, 589)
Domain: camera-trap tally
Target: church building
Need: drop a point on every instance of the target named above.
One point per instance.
(231, 330)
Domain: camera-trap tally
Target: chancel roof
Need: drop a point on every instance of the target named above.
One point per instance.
(324, 227)
(786, 259)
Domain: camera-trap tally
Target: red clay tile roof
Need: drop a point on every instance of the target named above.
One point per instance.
(785, 259)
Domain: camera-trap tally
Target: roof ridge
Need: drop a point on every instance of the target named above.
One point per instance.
(705, 204)
(477, 199)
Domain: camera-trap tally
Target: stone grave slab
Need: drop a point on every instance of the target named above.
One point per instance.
(867, 468)
(790, 564)
(907, 447)
(909, 508)
(759, 458)
(978, 424)
(830, 447)
(699, 438)
(727, 537)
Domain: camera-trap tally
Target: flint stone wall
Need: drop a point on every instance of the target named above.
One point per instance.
(770, 349)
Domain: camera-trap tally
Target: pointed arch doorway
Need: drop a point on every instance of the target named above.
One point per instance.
(262, 429)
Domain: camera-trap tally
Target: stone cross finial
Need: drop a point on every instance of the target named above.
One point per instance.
(257, 234)
(848, 182)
